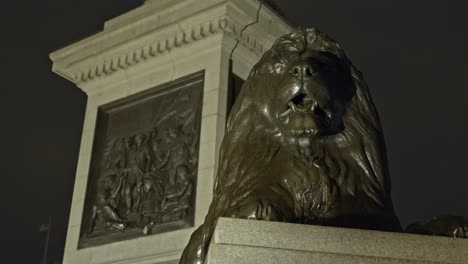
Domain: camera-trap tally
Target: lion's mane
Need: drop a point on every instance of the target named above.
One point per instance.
(352, 161)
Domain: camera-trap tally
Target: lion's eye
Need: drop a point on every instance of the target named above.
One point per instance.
(278, 67)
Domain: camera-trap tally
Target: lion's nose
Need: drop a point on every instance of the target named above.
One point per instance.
(302, 70)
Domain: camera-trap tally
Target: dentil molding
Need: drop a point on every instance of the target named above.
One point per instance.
(124, 44)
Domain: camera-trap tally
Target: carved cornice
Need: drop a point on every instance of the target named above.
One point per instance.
(163, 46)
(105, 63)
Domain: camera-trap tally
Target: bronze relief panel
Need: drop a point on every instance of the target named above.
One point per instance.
(144, 164)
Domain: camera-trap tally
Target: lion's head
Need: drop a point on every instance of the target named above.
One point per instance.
(305, 95)
(304, 128)
(301, 87)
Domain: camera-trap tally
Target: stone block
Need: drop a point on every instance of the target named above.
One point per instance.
(250, 241)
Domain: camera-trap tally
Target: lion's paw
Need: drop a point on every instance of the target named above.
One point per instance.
(446, 225)
(257, 209)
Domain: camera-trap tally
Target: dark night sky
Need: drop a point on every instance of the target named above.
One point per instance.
(414, 55)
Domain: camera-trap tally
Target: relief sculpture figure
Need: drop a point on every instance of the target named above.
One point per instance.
(303, 144)
(148, 180)
(144, 164)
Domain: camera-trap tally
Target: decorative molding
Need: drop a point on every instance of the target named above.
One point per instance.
(152, 50)
(80, 65)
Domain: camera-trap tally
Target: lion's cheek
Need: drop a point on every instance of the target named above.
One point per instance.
(268, 114)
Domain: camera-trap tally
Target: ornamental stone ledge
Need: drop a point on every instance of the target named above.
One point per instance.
(148, 32)
(256, 242)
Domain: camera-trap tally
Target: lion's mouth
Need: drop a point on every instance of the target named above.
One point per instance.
(304, 116)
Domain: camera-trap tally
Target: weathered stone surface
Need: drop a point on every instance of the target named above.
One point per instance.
(249, 241)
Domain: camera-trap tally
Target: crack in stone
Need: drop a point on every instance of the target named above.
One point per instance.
(245, 27)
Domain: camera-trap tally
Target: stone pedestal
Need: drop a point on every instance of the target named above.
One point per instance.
(147, 48)
(237, 241)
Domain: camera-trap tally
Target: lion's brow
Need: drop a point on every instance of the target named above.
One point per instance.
(291, 43)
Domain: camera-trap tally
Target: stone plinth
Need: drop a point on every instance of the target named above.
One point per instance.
(146, 48)
(239, 241)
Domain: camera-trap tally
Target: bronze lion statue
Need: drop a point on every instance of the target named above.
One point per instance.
(303, 145)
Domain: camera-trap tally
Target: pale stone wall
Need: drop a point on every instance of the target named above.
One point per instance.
(149, 46)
